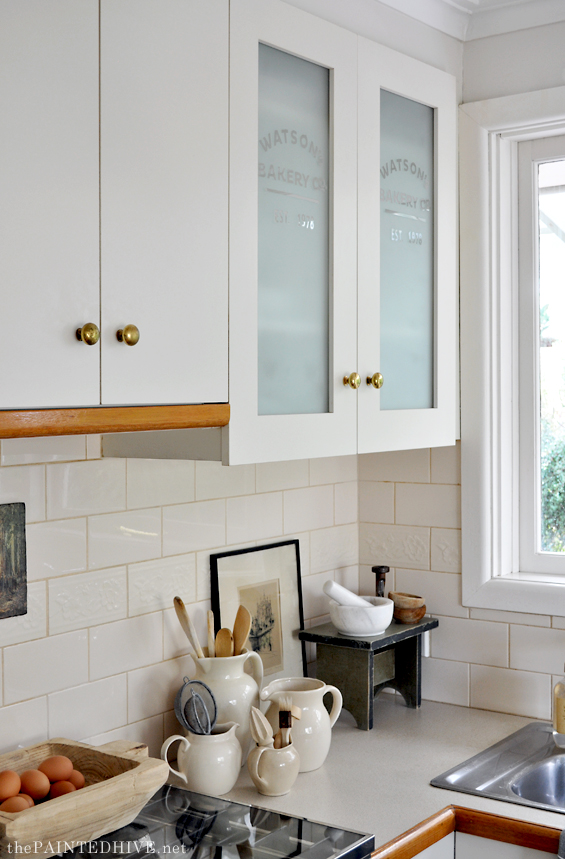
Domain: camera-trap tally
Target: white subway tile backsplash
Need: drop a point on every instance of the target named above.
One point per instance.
(349, 578)
(84, 488)
(157, 482)
(394, 546)
(376, 502)
(38, 667)
(433, 504)
(446, 464)
(152, 690)
(442, 591)
(475, 641)
(214, 480)
(446, 550)
(520, 692)
(346, 503)
(25, 451)
(254, 517)
(402, 466)
(94, 446)
(125, 645)
(76, 602)
(536, 649)
(29, 626)
(56, 548)
(307, 509)
(152, 585)
(191, 527)
(89, 709)
(333, 469)
(25, 483)
(332, 548)
(122, 538)
(511, 617)
(23, 725)
(445, 681)
(274, 476)
(314, 600)
(148, 731)
(203, 568)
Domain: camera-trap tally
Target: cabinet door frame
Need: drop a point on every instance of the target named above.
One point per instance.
(259, 438)
(379, 430)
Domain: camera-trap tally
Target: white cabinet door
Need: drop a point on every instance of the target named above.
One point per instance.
(473, 847)
(49, 270)
(164, 199)
(292, 194)
(407, 326)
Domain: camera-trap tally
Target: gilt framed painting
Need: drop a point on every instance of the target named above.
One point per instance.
(266, 580)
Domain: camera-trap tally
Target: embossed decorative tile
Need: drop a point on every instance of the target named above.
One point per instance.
(446, 550)
(395, 545)
(76, 602)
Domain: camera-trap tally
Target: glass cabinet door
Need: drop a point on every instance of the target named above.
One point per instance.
(293, 235)
(407, 252)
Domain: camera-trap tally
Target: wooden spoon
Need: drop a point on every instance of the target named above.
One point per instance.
(188, 626)
(241, 628)
(211, 639)
(224, 642)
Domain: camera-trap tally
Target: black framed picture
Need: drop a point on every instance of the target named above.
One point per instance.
(266, 580)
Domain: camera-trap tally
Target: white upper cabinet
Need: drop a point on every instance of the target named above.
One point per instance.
(49, 257)
(293, 234)
(119, 224)
(407, 276)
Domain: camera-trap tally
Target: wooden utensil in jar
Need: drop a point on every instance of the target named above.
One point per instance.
(188, 626)
(224, 642)
(241, 628)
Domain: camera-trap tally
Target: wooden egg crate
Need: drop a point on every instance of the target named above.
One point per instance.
(120, 779)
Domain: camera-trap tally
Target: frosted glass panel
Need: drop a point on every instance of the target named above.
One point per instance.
(293, 264)
(407, 253)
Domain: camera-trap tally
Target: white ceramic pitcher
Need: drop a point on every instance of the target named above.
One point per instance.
(207, 763)
(312, 733)
(273, 771)
(234, 690)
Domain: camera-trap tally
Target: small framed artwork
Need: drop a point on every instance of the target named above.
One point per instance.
(266, 580)
(13, 568)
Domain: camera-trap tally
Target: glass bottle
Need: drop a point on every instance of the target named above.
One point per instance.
(559, 713)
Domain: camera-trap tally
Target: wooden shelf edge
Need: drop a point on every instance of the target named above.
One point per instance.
(423, 835)
(85, 421)
(486, 825)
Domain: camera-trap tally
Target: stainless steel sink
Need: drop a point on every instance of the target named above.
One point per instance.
(525, 768)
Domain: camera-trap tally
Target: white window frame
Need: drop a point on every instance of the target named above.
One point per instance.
(490, 377)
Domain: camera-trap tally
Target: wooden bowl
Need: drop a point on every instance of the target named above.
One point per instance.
(402, 600)
(120, 778)
(409, 615)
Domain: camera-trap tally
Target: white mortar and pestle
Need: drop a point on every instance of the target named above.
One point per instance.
(358, 617)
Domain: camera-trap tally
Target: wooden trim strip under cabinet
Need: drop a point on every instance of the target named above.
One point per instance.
(479, 823)
(100, 419)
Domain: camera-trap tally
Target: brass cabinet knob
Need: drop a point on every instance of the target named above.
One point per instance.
(353, 380)
(376, 380)
(89, 334)
(128, 335)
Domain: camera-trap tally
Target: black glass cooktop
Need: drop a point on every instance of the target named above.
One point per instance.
(180, 823)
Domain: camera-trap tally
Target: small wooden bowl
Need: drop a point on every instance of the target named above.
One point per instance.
(402, 600)
(409, 615)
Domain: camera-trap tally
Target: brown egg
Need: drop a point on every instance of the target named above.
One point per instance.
(30, 801)
(14, 803)
(77, 779)
(9, 784)
(57, 768)
(35, 784)
(58, 788)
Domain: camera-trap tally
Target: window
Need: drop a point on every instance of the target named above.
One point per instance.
(512, 385)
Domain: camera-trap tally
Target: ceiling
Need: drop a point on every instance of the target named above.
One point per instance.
(476, 19)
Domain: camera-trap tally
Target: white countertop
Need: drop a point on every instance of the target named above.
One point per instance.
(378, 781)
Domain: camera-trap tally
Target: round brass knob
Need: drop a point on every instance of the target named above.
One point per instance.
(128, 335)
(89, 334)
(376, 380)
(353, 380)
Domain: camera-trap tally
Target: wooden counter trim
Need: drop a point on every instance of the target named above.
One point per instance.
(507, 829)
(101, 419)
(415, 840)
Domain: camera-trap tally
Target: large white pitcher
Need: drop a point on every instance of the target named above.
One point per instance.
(234, 690)
(312, 733)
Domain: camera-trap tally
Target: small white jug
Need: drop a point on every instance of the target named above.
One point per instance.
(273, 771)
(312, 733)
(208, 763)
